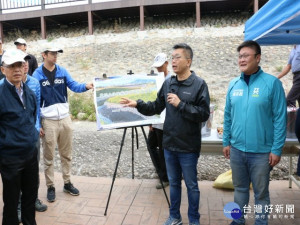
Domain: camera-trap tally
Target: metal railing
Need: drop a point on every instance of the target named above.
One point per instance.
(17, 4)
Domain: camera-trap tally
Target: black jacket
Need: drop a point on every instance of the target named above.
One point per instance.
(18, 135)
(32, 63)
(182, 126)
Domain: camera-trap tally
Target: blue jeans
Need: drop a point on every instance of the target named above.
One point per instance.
(185, 164)
(251, 167)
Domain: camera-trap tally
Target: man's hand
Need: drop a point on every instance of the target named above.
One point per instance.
(150, 128)
(173, 99)
(274, 159)
(42, 134)
(89, 86)
(128, 102)
(226, 152)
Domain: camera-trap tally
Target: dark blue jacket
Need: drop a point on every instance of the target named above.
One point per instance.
(18, 135)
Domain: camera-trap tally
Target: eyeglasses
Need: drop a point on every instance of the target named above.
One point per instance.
(15, 65)
(246, 56)
(177, 57)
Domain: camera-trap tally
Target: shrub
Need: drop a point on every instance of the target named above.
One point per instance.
(80, 103)
(278, 68)
(50, 39)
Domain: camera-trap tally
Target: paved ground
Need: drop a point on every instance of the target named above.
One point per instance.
(137, 202)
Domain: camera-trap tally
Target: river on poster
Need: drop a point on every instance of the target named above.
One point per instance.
(107, 95)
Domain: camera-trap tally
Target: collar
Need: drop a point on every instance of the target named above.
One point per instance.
(43, 66)
(168, 75)
(254, 75)
(189, 81)
(12, 86)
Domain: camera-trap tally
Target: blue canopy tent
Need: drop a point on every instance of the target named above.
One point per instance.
(276, 23)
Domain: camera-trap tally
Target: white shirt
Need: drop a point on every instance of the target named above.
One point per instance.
(161, 125)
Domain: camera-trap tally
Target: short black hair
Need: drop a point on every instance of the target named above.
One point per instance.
(186, 47)
(250, 44)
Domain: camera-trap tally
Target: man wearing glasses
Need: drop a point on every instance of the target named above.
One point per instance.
(186, 100)
(56, 124)
(18, 137)
(254, 131)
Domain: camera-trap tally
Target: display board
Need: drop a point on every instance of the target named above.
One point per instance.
(109, 91)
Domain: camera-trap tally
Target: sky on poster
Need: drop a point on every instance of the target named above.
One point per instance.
(108, 93)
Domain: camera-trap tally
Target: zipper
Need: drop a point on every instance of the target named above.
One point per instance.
(247, 101)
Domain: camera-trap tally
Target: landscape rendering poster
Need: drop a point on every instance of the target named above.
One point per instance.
(109, 91)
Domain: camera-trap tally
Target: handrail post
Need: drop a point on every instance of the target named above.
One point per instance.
(256, 5)
(1, 32)
(90, 22)
(43, 4)
(0, 7)
(43, 27)
(142, 21)
(198, 23)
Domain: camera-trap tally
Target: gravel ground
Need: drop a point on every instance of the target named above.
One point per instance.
(95, 154)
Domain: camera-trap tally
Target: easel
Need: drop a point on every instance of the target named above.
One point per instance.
(133, 130)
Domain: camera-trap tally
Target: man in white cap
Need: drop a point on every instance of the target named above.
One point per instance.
(156, 130)
(22, 45)
(56, 123)
(18, 137)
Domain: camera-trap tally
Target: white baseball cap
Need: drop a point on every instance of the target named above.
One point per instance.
(159, 60)
(52, 49)
(12, 56)
(20, 41)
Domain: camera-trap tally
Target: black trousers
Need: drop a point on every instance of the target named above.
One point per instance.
(294, 94)
(157, 153)
(19, 175)
(38, 149)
